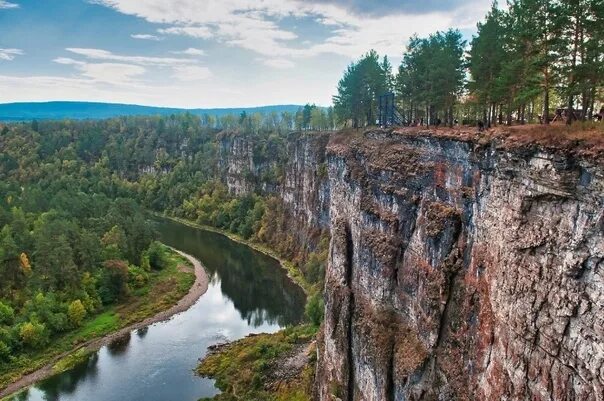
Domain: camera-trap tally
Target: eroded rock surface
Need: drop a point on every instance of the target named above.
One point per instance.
(462, 271)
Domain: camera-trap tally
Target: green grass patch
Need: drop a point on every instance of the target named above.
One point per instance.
(71, 360)
(102, 324)
(246, 369)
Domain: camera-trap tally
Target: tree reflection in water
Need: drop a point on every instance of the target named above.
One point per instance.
(67, 382)
(259, 289)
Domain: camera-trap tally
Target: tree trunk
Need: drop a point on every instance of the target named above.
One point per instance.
(584, 104)
(546, 103)
(570, 113)
(427, 116)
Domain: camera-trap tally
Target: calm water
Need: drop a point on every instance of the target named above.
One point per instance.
(248, 293)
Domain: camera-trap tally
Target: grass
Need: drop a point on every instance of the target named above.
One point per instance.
(246, 369)
(71, 360)
(163, 290)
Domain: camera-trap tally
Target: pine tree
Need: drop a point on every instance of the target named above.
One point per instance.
(358, 90)
(485, 62)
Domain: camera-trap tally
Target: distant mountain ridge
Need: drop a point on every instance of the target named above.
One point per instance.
(96, 110)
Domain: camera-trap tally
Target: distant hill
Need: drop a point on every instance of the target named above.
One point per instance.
(90, 110)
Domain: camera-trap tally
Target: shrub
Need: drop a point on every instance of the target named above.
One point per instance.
(76, 313)
(156, 255)
(33, 334)
(114, 281)
(4, 352)
(137, 277)
(315, 308)
(7, 315)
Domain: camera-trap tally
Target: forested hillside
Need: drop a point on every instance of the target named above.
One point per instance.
(74, 239)
(93, 110)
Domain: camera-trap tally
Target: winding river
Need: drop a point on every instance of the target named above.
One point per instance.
(248, 293)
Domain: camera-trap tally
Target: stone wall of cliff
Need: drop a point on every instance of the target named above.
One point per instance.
(460, 268)
(292, 171)
(462, 271)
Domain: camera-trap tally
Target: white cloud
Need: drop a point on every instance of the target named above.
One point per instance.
(144, 36)
(99, 54)
(5, 5)
(279, 63)
(202, 32)
(107, 73)
(260, 27)
(10, 54)
(191, 73)
(109, 68)
(191, 51)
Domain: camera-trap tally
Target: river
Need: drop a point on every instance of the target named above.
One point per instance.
(248, 293)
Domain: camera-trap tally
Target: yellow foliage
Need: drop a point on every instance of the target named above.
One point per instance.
(25, 265)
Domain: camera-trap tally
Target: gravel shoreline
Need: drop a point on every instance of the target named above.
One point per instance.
(200, 286)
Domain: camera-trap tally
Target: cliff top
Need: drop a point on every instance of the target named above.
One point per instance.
(585, 140)
(581, 139)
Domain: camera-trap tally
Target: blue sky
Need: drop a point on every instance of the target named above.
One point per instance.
(205, 53)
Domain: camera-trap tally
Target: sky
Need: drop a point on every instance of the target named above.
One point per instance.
(206, 53)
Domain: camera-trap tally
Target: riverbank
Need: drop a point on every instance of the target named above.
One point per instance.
(133, 322)
(270, 367)
(273, 367)
(292, 271)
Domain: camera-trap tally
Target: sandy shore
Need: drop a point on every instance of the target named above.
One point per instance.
(197, 290)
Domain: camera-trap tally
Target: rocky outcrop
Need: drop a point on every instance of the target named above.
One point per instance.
(461, 266)
(292, 171)
(462, 270)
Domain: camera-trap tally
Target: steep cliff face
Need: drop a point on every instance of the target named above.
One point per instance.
(292, 171)
(460, 267)
(462, 271)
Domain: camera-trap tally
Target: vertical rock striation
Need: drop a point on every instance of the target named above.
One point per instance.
(461, 271)
(460, 268)
(293, 172)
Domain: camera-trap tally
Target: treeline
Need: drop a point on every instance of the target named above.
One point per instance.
(535, 60)
(309, 117)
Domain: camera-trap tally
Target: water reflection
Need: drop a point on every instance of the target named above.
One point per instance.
(57, 386)
(119, 346)
(247, 277)
(248, 293)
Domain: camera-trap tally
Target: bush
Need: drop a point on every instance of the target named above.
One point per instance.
(4, 352)
(156, 255)
(7, 315)
(315, 308)
(114, 281)
(314, 268)
(33, 334)
(76, 313)
(137, 277)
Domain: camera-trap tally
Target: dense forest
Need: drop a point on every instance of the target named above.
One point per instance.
(531, 59)
(74, 238)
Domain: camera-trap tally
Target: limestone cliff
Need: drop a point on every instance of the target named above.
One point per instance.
(461, 267)
(293, 171)
(462, 271)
